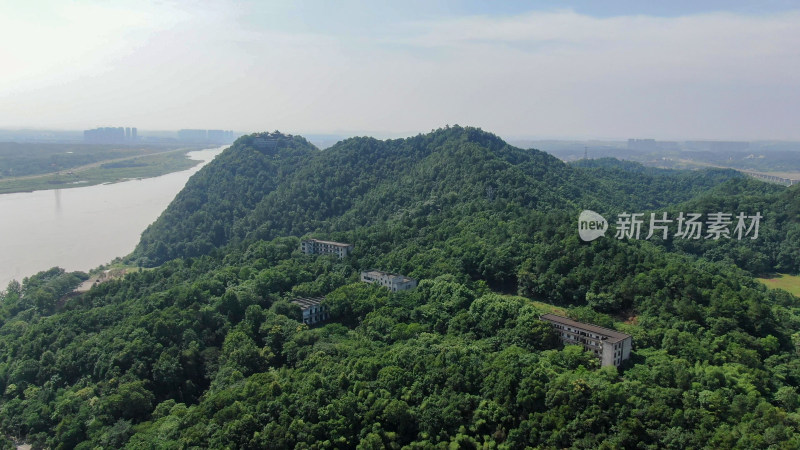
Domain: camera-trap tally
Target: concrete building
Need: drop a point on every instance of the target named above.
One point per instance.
(189, 135)
(609, 346)
(105, 135)
(318, 247)
(198, 136)
(265, 143)
(313, 309)
(392, 281)
(220, 136)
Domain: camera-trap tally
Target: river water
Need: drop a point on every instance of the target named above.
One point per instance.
(82, 228)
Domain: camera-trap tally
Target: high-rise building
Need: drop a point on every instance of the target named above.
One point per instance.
(216, 136)
(106, 135)
(206, 136)
(187, 135)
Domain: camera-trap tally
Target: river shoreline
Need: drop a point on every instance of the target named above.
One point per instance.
(103, 172)
(83, 227)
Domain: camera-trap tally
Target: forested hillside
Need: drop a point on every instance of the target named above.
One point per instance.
(202, 214)
(777, 248)
(206, 351)
(248, 194)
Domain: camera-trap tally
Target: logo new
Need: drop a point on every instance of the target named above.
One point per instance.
(591, 225)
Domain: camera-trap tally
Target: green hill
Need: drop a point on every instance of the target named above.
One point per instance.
(248, 194)
(777, 248)
(205, 350)
(203, 213)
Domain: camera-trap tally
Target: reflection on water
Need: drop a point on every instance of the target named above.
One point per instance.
(58, 201)
(81, 228)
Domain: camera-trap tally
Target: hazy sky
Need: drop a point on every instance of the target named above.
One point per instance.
(611, 69)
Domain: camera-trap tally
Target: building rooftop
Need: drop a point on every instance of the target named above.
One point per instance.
(330, 242)
(308, 302)
(378, 273)
(612, 336)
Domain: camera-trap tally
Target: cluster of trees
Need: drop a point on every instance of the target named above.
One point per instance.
(660, 186)
(254, 193)
(208, 351)
(203, 214)
(777, 248)
(41, 291)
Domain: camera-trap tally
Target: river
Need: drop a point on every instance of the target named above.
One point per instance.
(82, 228)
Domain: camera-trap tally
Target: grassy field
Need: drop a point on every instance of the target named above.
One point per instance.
(789, 283)
(103, 172)
(546, 308)
(27, 159)
(543, 308)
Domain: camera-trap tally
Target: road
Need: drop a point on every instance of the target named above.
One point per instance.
(97, 164)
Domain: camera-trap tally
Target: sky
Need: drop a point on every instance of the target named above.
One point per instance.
(724, 70)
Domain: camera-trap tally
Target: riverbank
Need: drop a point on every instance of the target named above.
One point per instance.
(101, 172)
(82, 228)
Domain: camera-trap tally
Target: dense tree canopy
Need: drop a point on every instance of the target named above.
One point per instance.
(207, 351)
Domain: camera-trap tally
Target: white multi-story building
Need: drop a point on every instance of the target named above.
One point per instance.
(392, 281)
(318, 247)
(610, 346)
(313, 309)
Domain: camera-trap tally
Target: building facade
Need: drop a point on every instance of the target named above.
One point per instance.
(610, 346)
(108, 135)
(317, 247)
(313, 310)
(392, 281)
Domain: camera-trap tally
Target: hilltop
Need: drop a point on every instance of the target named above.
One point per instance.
(250, 192)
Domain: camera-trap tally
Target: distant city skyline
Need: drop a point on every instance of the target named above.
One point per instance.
(614, 70)
(107, 135)
(70, 134)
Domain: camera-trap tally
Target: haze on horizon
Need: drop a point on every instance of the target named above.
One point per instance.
(701, 70)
